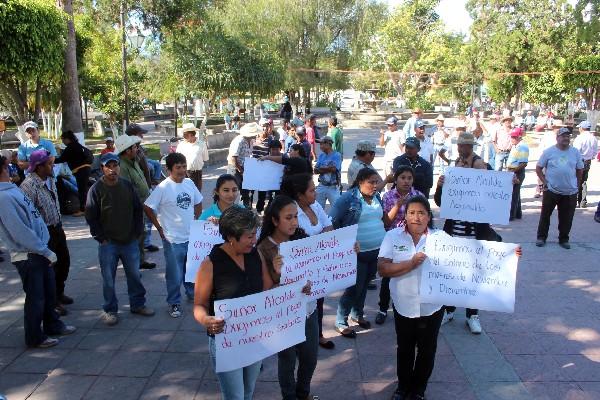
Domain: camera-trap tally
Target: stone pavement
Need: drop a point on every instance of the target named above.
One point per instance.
(548, 349)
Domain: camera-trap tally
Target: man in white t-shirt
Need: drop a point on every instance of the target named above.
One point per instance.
(176, 201)
(587, 144)
(393, 142)
(426, 145)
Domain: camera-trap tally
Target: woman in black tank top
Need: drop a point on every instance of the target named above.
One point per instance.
(233, 269)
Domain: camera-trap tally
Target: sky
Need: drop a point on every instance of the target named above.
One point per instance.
(452, 12)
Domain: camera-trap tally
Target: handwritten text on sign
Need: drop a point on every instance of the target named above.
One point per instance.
(327, 260)
(469, 273)
(259, 325)
(203, 236)
(262, 175)
(477, 195)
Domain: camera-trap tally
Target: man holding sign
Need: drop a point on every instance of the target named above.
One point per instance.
(466, 229)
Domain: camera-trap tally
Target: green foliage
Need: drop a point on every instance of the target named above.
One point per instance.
(546, 89)
(589, 82)
(421, 102)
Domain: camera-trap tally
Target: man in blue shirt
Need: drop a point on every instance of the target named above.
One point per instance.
(34, 143)
(409, 126)
(329, 167)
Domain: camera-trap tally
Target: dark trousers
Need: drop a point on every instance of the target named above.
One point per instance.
(384, 295)
(320, 303)
(566, 209)
(262, 199)
(196, 177)
(582, 193)
(515, 205)
(306, 354)
(58, 244)
(469, 311)
(39, 285)
(82, 176)
(245, 193)
(418, 334)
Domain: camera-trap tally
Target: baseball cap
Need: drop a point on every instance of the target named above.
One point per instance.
(109, 139)
(587, 125)
(326, 139)
(301, 130)
(516, 132)
(108, 157)
(29, 125)
(365, 145)
(135, 129)
(391, 121)
(419, 124)
(563, 131)
(413, 142)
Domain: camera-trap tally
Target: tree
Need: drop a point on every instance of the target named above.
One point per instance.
(33, 42)
(71, 100)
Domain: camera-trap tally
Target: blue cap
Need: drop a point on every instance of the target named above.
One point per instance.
(563, 131)
(108, 157)
(587, 125)
(419, 123)
(413, 142)
(391, 121)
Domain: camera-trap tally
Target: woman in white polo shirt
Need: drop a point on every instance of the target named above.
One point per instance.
(417, 325)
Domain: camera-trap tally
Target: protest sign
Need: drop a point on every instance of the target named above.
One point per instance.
(262, 175)
(259, 325)
(469, 273)
(203, 236)
(477, 195)
(327, 260)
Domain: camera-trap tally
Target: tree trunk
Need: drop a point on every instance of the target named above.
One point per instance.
(71, 110)
(38, 100)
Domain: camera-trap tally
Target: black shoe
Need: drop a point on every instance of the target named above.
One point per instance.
(147, 265)
(151, 248)
(326, 344)
(380, 317)
(399, 395)
(565, 245)
(415, 396)
(363, 323)
(540, 243)
(64, 299)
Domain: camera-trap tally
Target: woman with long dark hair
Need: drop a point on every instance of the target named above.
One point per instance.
(225, 195)
(79, 159)
(313, 220)
(280, 224)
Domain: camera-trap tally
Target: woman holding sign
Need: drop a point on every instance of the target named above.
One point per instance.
(233, 269)
(280, 224)
(313, 220)
(360, 205)
(417, 324)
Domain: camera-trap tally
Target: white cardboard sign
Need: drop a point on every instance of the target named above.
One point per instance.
(469, 273)
(327, 260)
(203, 236)
(477, 195)
(262, 175)
(259, 325)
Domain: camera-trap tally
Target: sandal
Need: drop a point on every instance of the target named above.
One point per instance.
(346, 332)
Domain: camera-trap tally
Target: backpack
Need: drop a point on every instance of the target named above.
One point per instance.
(89, 156)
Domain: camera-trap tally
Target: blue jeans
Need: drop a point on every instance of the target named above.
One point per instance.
(154, 167)
(324, 193)
(306, 354)
(352, 301)
(109, 255)
(237, 384)
(147, 231)
(175, 258)
(500, 160)
(39, 285)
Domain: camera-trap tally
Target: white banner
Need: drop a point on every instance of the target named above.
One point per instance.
(203, 236)
(262, 175)
(477, 195)
(469, 273)
(259, 325)
(327, 260)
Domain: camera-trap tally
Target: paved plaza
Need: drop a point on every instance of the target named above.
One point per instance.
(548, 349)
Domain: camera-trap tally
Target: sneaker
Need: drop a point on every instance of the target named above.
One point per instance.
(175, 311)
(474, 324)
(380, 317)
(540, 243)
(448, 316)
(67, 330)
(144, 311)
(565, 245)
(109, 318)
(151, 248)
(147, 265)
(49, 342)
